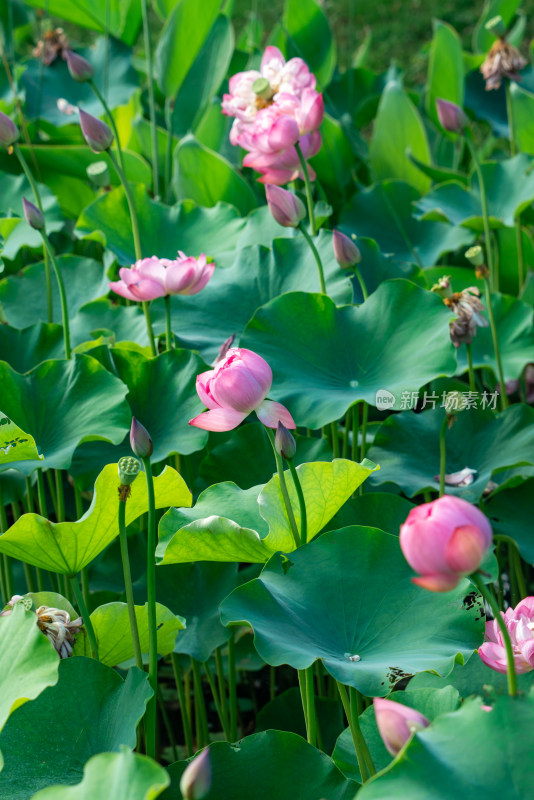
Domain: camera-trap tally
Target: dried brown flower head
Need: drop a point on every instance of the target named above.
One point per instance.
(53, 44)
(467, 306)
(55, 623)
(503, 61)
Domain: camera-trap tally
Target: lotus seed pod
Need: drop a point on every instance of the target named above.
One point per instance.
(129, 468)
(475, 255)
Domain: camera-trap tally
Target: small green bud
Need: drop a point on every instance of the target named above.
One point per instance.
(475, 255)
(496, 26)
(129, 468)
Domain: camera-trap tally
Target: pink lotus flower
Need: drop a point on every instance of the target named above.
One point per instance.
(274, 109)
(237, 385)
(154, 277)
(443, 541)
(397, 723)
(520, 625)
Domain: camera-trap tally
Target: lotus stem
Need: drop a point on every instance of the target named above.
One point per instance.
(492, 603)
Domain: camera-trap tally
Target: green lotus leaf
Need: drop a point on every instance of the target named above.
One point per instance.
(373, 509)
(111, 624)
(429, 702)
(29, 347)
(510, 512)
(258, 274)
(229, 524)
(90, 710)
(509, 190)
(164, 230)
(514, 320)
(63, 403)
(397, 341)
(121, 18)
(387, 154)
(28, 661)
(461, 755)
(384, 212)
(196, 590)
(273, 761)
(407, 447)
(67, 547)
(16, 444)
(132, 776)
(445, 69)
(171, 378)
(23, 296)
(348, 600)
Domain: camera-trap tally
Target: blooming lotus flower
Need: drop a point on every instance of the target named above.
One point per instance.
(275, 108)
(397, 723)
(520, 625)
(238, 385)
(154, 277)
(444, 540)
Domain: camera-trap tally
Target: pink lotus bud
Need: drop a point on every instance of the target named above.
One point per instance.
(397, 723)
(33, 216)
(195, 782)
(9, 133)
(284, 442)
(346, 252)
(287, 209)
(237, 385)
(520, 625)
(96, 133)
(80, 69)
(140, 440)
(451, 116)
(445, 540)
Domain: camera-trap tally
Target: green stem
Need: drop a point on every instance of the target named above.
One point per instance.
(221, 681)
(335, 440)
(442, 455)
(361, 281)
(53, 495)
(302, 502)
(232, 688)
(85, 616)
(136, 238)
(513, 150)
(60, 496)
(217, 700)
(200, 705)
(485, 215)
(515, 558)
(167, 724)
(316, 256)
(488, 597)
(37, 196)
(186, 722)
(111, 120)
(169, 338)
(168, 151)
(346, 432)
(283, 488)
(493, 327)
(307, 182)
(354, 731)
(152, 622)
(354, 448)
(301, 674)
(151, 98)
(472, 384)
(62, 294)
(310, 707)
(356, 708)
(128, 587)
